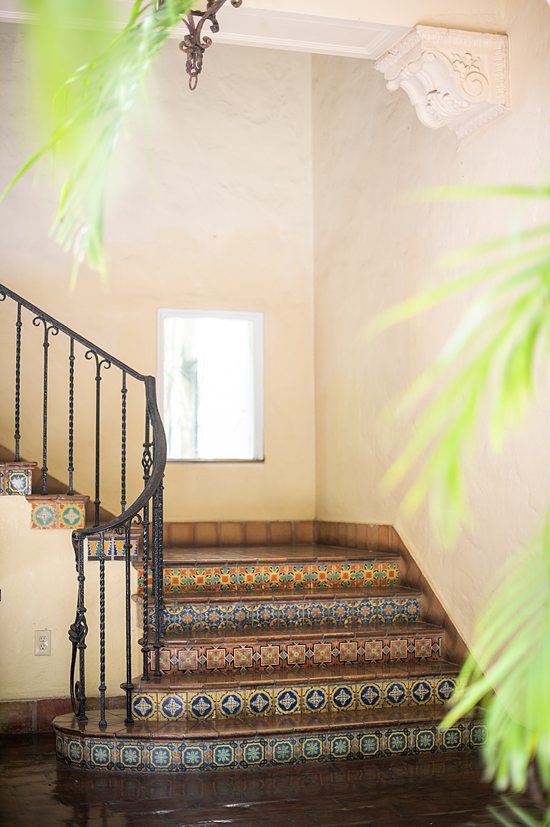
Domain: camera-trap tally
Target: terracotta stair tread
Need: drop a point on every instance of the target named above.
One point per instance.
(255, 636)
(288, 596)
(262, 725)
(205, 555)
(315, 675)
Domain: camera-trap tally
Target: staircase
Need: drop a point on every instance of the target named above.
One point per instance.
(261, 644)
(281, 655)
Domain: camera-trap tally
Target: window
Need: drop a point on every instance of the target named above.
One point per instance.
(210, 376)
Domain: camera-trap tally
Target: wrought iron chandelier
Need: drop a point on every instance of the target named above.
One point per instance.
(195, 43)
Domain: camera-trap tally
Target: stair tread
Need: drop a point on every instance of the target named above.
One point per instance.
(204, 555)
(250, 726)
(255, 636)
(314, 675)
(289, 596)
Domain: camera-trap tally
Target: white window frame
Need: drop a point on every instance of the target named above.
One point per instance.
(258, 356)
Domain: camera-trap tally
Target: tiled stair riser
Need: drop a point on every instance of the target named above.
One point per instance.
(57, 511)
(297, 655)
(183, 755)
(211, 616)
(16, 478)
(279, 577)
(292, 699)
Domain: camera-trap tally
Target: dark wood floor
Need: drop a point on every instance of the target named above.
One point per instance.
(36, 790)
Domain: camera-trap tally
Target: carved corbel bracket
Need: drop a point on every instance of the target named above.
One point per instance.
(453, 78)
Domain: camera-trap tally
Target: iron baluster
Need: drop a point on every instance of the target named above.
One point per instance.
(154, 579)
(48, 328)
(102, 685)
(70, 467)
(147, 458)
(153, 462)
(128, 686)
(123, 392)
(99, 363)
(77, 635)
(157, 580)
(160, 579)
(145, 562)
(17, 430)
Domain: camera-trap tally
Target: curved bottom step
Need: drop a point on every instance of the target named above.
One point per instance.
(159, 747)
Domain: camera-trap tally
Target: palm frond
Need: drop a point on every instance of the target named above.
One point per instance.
(509, 670)
(489, 362)
(518, 816)
(88, 115)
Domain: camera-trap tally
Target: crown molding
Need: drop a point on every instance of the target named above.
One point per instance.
(453, 78)
(269, 29)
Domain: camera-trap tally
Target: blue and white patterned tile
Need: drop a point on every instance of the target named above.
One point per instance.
(201, 705)
(259, 701)
(230, 704)
(144, 706)
(342, 698)
(172, 707)
(211, 616)
(148, 755)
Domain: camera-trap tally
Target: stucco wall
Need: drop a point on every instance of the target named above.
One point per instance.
(39, 591)
(209, 208)
(374, 246)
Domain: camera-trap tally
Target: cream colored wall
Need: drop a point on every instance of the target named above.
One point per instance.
(38, 584)
(373, 246)
(210, 208)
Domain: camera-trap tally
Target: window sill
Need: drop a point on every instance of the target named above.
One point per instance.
(216, 461)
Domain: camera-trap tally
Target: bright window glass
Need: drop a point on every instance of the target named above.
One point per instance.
(211, 384)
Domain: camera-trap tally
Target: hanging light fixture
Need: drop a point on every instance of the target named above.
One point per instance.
(195, 43)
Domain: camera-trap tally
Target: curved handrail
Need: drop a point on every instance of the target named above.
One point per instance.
(157, 471)
(76, 336)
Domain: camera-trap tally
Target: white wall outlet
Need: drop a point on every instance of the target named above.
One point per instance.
(42, 642)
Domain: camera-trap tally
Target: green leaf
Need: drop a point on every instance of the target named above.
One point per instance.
(88, 111)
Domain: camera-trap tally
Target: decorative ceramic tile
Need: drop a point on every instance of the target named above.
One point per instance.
(185, 618)
(292, 654)
(57, 511)
(230, 704)
(172, 707)
(201, 705)
(295, 697)
(280, 577)
(147, 755)
(259, 701)
(144, 706)
(72, 515)
(101, 756)
(342, 698)
(44, 514)
(16, 478)
(288, 700)
(114, 547)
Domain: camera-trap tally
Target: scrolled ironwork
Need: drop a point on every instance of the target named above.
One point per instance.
(123, 393)
(50, 329)
(195, 43)
(70, 467)
(100, 362)
(17, 418)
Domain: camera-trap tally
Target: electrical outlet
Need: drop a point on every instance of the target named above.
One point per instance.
(42, 642)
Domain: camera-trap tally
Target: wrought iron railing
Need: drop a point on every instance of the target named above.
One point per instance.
(145, 512)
